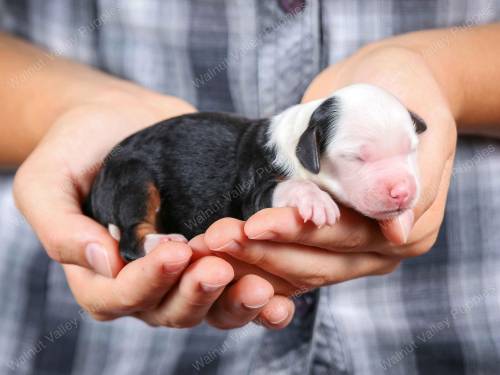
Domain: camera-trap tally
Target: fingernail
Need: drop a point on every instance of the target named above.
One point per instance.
(253, 307)
(267, 235)
(98, 259)
(153, 240)
(278, 320)
(277, 315)
(229, 246)
(209, 288)
(405, 221)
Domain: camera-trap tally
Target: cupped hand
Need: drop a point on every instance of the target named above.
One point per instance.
(167, 287)
(406, 74)
(298, 256)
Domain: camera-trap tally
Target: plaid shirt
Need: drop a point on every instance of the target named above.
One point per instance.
(437, 314)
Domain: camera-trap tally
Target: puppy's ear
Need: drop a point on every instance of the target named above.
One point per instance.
(308, 150)
(312, 142)
(420, 125)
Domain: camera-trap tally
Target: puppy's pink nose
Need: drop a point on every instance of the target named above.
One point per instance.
(399, 193)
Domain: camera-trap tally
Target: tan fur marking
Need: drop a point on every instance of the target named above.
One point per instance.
(153, 203)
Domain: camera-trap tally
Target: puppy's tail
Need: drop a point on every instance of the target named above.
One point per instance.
(126, 200)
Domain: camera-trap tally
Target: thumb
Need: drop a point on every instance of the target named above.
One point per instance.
(72, 238)
(68, 236)
(397, 230)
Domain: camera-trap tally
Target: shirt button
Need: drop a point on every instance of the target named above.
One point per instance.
(292, 6)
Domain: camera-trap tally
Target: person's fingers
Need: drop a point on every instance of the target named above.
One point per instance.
(199, 247)
(277, 314)
(300, 265)
(154, 275)
(309, 267)
(188, 303)
(241, 268)
(226, 233)
(240, 303)
(140, 285)
(50, 203)
(350, 233)
(398, 229)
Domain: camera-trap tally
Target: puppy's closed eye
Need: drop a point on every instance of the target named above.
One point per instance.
(353, 157)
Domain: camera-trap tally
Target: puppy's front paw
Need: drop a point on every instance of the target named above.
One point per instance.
(154, 239)
(313, 203)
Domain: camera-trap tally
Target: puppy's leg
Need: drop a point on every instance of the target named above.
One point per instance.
(140, 223)
(313, 203)
(150, 240)
(125, 198)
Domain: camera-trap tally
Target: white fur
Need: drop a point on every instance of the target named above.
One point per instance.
(371, 114)
(284, 133)
(367, 115)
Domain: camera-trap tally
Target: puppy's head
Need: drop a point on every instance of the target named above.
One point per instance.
(360, 145)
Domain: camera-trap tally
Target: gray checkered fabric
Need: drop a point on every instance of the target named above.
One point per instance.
(437, 314)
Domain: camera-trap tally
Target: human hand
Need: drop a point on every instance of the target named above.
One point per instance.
(278, 242)
(166, 287)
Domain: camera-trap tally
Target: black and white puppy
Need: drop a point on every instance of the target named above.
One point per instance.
(171, 181)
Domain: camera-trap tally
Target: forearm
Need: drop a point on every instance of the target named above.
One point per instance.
(36, 87)
(466, 64)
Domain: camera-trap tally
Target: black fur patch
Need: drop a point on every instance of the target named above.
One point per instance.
(320, 130)
(205, 166)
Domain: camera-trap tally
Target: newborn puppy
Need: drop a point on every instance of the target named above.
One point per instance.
(171, 181)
